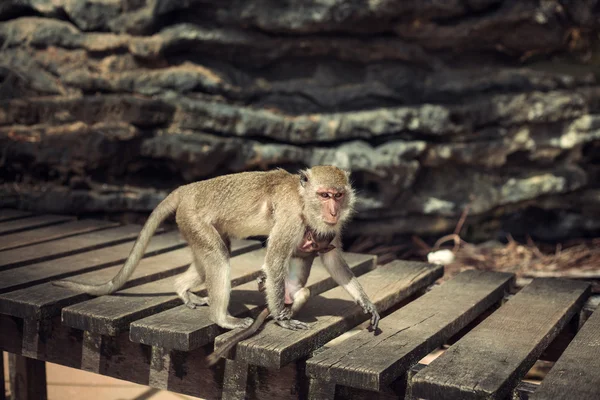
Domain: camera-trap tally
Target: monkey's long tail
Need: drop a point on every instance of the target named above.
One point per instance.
(160, 213)
(238, 337)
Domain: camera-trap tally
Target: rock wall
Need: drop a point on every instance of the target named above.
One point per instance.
(105, 105)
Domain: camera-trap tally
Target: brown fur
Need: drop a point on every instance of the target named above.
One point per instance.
(275, 203)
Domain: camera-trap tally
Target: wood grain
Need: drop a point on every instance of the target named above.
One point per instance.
(112, 314)
(46, 300)
(489, 361)
(234, 380)
(183, 329)
(46, 271)
(23, 224)
(334, 312)
(67, 246)
(410, 333)
(576, 374)
(45, 234)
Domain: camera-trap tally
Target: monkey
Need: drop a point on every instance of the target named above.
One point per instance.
(277, 204)
(296, 294)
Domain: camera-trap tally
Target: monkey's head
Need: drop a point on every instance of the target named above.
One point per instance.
(328, 197)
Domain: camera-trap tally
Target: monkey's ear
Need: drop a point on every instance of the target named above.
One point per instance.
(303, 178)
(347, 172)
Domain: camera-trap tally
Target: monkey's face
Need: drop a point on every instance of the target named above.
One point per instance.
(328, 197)
(331, 203)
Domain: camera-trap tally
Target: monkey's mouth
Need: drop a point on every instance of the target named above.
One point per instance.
(331, 220)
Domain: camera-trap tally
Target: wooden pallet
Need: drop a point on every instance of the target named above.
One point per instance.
(144, 334)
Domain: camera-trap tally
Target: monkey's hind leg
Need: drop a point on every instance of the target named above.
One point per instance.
(211, 254)
(184, 284)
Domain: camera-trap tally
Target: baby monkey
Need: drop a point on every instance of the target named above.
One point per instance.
(296, 294)
(277, 204)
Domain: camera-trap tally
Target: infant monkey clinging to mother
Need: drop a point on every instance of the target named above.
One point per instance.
(302, 215)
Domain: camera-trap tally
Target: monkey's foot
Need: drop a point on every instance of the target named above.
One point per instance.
(292, 324)
(192, 300)
(234, 323)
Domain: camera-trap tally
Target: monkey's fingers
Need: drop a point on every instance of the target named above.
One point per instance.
(291, 324)
(375, 320)
(299, 324)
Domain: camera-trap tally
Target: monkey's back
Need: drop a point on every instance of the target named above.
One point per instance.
(240, 205)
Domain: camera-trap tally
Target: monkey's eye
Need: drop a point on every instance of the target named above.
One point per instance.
(338, 195)
(324, 195)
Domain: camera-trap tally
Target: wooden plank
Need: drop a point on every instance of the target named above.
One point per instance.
(234, 380)
(523, 391)
(67, 246)
(46, 300)
(410, 333)
(27, 378)
(332, 313)
(19, 225)
(7, 214)
(52, 232)
(320, 389)
(112, 314)
(63, 345)
(183, 329)
(46, 271)
(576, 374)
(489, 360)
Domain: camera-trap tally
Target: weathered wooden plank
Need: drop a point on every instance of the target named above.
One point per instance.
(332, 313)
(27, 378)
(19, 225)
(183, 329)
(7, 214)
(45, 234)
(34, 334)
(576, 374)
(46, 300)
(46, 271)
(410, 333)
(234, 380)
(320, 389)
(523, 391)
(489, 360)
(63, 345)
(112, 314)
(184, 372)
(67, 246)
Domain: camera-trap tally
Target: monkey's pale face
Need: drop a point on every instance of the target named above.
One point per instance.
(331, 204)
(328, 198)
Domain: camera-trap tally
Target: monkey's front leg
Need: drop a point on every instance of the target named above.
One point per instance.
(279, 253)
(342, 274)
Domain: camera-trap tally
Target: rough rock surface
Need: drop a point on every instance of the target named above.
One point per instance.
(105, 105)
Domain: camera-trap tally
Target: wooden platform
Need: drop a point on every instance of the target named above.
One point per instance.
(144, 334)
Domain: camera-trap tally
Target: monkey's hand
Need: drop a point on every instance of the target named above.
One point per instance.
(292, 324)
(284, 320)
(369, 308)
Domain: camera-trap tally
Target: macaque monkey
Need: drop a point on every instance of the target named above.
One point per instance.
(277, 204)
